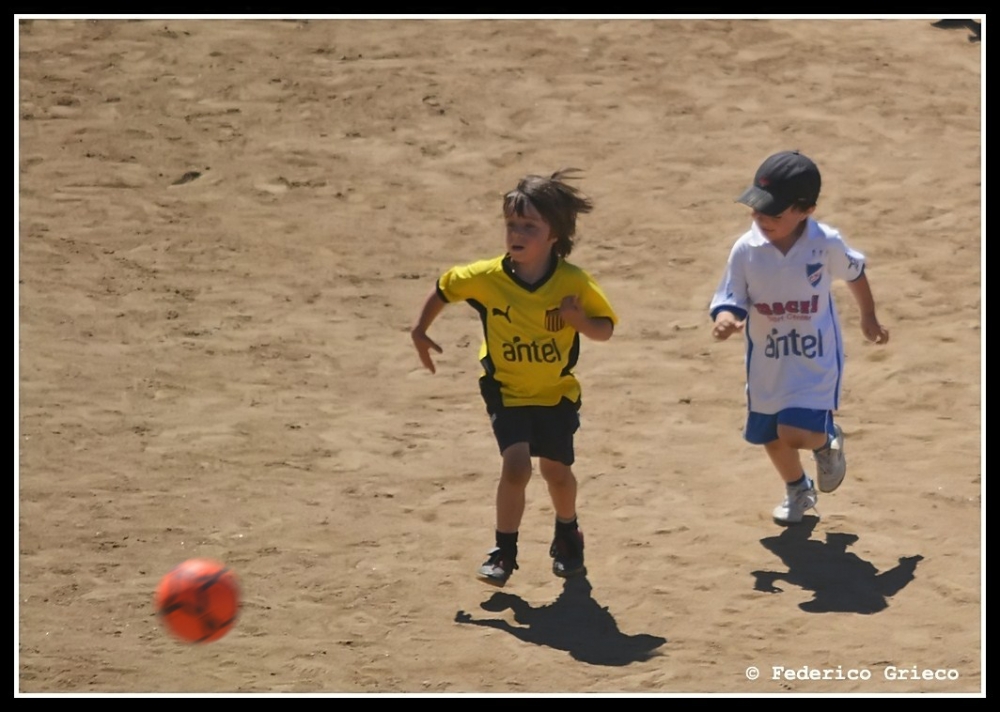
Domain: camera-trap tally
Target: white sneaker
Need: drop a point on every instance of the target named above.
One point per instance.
(796, 504)
(831, 464)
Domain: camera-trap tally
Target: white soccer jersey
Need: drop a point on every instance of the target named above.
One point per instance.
(794, 345)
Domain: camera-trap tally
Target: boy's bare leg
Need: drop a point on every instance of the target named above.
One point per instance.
(514, 476)
(562, 487)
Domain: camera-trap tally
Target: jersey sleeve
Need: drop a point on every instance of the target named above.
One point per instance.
(732, 292)
(595, 303)
(846, 263)
(458, 284)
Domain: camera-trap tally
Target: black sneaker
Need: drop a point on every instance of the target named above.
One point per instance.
(497, 569)
(567, 555)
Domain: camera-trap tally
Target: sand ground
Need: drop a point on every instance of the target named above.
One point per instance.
(226, 229)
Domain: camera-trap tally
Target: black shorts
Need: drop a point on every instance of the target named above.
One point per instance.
(548, 429)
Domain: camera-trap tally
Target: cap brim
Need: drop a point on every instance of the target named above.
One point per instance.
(762, 201)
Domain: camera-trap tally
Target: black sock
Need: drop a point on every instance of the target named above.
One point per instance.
(507, 543)
(801, 482)
(566, 528)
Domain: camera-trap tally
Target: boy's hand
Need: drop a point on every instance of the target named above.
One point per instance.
(874, 331)
(572, 312)
(424, 344)
(726, 326)
(598, 328)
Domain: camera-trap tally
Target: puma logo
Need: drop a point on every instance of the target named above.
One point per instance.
(505, 313)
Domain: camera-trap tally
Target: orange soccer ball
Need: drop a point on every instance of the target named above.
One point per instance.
(198, 600)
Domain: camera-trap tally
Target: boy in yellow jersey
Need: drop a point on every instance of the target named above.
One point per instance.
(533, 305)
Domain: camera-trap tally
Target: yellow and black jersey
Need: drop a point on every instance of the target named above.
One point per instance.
(528, 351)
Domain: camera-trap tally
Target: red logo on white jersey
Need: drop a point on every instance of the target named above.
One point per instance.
(792, 306)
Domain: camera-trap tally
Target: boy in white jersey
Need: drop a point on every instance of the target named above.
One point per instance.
(533, 305)
(776, 289)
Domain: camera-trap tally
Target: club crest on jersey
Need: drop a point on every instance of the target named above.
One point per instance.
(814, 273)
(553, 322)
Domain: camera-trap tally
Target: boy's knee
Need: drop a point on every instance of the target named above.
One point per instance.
(516, 472)
(558, 475)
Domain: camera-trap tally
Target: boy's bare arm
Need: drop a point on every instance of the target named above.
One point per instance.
(433, 306)
(870, 327)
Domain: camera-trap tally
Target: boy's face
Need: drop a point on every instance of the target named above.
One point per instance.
(529, 237)
(782, 226)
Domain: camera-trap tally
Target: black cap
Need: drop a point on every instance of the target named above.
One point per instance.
(783, 179)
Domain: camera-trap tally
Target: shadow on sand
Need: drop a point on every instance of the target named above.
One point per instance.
(972, 26)
(840, 581)
(574, 622)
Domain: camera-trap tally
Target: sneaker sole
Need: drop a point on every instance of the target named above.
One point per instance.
(826, 486)
(499, 583)
(795, 522)
(569, 574)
